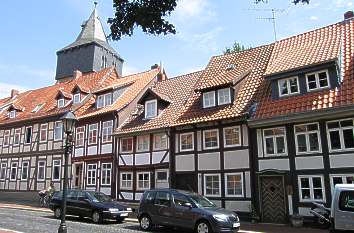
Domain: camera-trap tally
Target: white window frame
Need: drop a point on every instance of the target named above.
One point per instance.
(317, 80)
(3, 166)
(53, 168)
(122, 181)
(242, 184)
(217, 139)
(61, 131)
(238, 128)
(44, 170)
(341, 137)
(37, 108)
(46, 132)
(105, 172)
(12, 114)
(77, 98)
(161, 136)
(154, 113)
(228, 101)
(7, 134)
(61, 103)
(80, 136)
(91, 133)
(204, 182)
(90, 172)
(30, 139)
(342, 176)
(137, 180)
(22, 166)
(107, 131)
(287, 80)
(18, 135)
(180, 141)
(121, 145)
(307, 133)
(275, 143)
(162, 170)
(102, 100)
(12, 167)
(208, 95)
(143, 138)
(310, 177)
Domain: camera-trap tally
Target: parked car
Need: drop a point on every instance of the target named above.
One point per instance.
(95, 205)
(169, 207)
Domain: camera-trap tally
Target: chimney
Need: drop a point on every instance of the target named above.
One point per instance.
(77, 74)
(14, 93)
(348, 15)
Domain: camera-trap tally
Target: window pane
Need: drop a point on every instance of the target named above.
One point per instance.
(333, 125)
(348, 138)
(232, 136)
(313, 140)
(211, 138)
(301, 143)
(323, 79)
(317, 183)
(350, 179)
(305, 183)
(311, 80)
(312, 127)
(305, 194)
(293, 85)
(283, 87)
(300, 128)
(269, 146)
(337, 180)
(346, 123)
(162, 198)
(234, 185)
(335, 140)
(318, 195)
(280, 145)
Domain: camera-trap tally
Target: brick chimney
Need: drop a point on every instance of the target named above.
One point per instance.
(14, 93)
(348, 15)
(77, 74)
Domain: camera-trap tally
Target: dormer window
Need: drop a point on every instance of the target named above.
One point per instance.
(288, 86)
(61, 102)
(37, 108)
(12, 114)
(317, 80)
(77, 98)
(209, 99)
(224, 96)
(104, 100)
(150, 108)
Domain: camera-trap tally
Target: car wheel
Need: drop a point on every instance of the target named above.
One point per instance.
(57, 212)
(203, 227)
(145, 223)
(96, 217)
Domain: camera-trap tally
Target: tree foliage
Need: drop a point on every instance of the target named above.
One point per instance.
(236, 47)
(150, 15)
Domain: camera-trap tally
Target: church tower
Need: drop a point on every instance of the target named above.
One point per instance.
(89, 52)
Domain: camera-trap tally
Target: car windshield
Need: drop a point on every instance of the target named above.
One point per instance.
(99, 197)
(202, 202)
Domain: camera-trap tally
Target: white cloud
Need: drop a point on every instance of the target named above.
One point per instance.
(5, 89)
(314, 18)
(192, 12)
(128, 69)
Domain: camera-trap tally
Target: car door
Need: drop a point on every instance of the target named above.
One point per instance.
(71, 197)
(83, 204)
(163, 210)
(183, 215)
(344, 218)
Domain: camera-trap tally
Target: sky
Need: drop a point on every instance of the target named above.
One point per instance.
(32, 32)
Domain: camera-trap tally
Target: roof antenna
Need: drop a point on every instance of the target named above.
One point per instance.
(95, 3)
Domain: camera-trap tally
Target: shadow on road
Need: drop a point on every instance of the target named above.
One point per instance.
(82, 220)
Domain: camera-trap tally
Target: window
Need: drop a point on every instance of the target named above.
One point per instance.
(143, 181)
(346, 201)
(161, 176)
(77, 98)
(307, 138)
(224, 96)
(13, 174)
(80, 136)
(58, 130)
(3, 171)
(37, 108)
(212, 185)
(126, 180)
(209, 99)
(341, 179)
(91, 174)
(6, 141)
(234, 184)
(56, 170)
(317, 80)
(211, 139)
(104, 100)
(41, 171)
(61, 103)
(232, 136)
(274, 141)
(186, 142)
(43, 132)
(288, 86)
(28, 135)
(17, 136)
(160, 141)
(126, 144)
(92, 134)
(12, 114)
(311, 188)
(143, 143)
(24, 173)
(340, 135)
(106, 173)
(163, 198)
(107, 128)
(151, 109)
(180, 200)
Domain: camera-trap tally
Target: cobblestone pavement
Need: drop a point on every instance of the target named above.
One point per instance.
(18, 221)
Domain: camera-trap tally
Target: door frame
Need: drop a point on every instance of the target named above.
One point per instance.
(81, 186)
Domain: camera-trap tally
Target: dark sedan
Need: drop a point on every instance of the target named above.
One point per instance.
(91, 204)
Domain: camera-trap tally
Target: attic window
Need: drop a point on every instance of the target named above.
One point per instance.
(12, 114)
(317, 80)
(150, 108)
(209, 99)
(37, 108)
(288, 86)
(230, 67)
(61, 103)
(104, 100)
(77, 98)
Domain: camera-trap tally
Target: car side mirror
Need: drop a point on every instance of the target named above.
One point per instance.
(188, 205)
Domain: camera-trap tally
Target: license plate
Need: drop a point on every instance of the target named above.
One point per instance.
(237, 224)
(124, 215)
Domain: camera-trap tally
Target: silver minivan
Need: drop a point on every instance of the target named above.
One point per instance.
(342, 209)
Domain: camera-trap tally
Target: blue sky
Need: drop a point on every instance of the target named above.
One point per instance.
(32, 32)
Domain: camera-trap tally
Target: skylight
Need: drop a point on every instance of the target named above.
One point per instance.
(37, 108)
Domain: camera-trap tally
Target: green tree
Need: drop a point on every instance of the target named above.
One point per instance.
(150, 15)
(236, 47)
